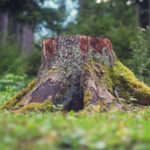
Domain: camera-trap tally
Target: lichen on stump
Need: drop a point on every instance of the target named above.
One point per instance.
(78, 71)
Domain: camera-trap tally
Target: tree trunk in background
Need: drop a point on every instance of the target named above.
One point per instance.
(15, 32)
(137, 8)
(18, 33)
(149, 12)
(27, 39)
(3, 27)
(80, 6)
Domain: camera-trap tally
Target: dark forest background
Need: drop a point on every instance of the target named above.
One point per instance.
(125, 22)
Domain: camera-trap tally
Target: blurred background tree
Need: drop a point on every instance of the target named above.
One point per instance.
(20, 21)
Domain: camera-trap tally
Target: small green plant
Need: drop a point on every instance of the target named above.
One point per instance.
(12, 60)
(122, 100)
(10, 84)
(58, 106)
(10, 57)
(132, 98)
(140, 54)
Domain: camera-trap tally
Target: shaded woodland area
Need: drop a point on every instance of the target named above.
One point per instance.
(19, 21)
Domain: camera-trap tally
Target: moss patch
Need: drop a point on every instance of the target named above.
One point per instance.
(99, 72)
(129, 84)
(18, 97)
(46, 106)
(118, 75)
(87, 94)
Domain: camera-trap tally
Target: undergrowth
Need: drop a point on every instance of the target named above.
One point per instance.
(84, 130)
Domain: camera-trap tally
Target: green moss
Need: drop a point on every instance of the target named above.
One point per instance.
(100, 73)
(17, 98)
(107, 79)
(93, 67)
(89, 68)
(29, 107)
(87, 95)
(118, 75)
(21, 102)
(128, 83)
(36, 107)
(53, 70)
(47, 105)
(97, 108)
(91, 108)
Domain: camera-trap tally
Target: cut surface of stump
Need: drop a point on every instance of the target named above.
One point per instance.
(78, 71)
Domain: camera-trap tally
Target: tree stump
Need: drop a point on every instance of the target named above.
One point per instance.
(78, 71)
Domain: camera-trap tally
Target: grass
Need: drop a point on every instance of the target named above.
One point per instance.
(85, 130)
(111, 130)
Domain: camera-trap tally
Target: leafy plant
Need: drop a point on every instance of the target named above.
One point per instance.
(12, 60)
(140, 54)
(10, 84)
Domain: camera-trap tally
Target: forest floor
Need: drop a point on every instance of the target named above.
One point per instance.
(111, 130)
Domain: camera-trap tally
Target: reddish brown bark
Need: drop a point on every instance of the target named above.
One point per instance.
(48, 47)
(96, 44)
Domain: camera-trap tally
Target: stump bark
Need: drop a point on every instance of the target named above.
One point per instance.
(78, 71)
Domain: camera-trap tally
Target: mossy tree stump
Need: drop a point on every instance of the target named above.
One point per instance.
(78, 71)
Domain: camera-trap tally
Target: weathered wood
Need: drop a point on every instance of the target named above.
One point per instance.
(61, 68)
(78, 71)
(65, 49)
